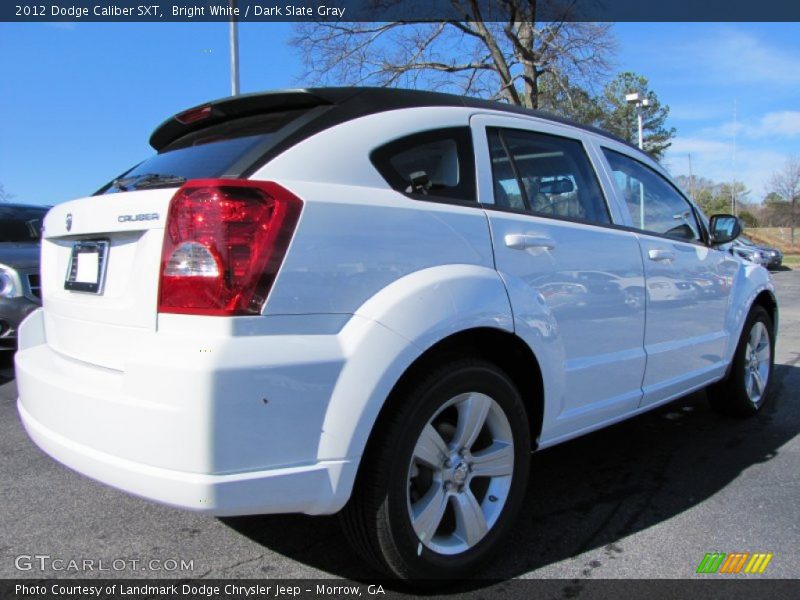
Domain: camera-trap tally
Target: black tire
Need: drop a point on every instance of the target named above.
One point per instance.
(377, 520)
(730, 396)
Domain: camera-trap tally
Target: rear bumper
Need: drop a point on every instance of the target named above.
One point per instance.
(307, 489)
(232, 431)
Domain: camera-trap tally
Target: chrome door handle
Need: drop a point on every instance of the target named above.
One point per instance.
(661, 255)
(523, 241)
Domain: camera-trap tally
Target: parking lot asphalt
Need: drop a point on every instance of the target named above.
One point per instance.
(643, 499)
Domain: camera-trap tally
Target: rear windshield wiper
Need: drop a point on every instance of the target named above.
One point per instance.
(147, 180)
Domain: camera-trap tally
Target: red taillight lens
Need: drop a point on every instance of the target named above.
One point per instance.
(224, 243)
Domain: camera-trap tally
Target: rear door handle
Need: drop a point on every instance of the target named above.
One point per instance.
(524, 241)
(659, 255)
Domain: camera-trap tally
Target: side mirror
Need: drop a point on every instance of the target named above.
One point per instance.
(724, 228)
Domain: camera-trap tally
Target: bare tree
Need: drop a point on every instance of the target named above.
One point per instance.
(786, 183)
(507, 54)
(4, 195)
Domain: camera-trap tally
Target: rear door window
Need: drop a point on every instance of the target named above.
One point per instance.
(436, 164)
(546, 175)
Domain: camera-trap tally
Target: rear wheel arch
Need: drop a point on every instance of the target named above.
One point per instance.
(505, 350)
(484, 362)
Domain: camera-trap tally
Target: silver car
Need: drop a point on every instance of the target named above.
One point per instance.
(770, 257)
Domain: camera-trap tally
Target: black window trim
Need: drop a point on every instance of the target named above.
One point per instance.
(462, 136)
(704, 240)
(523, 192)
(528, 211)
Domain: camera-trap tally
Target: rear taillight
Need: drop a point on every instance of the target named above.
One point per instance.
(225, 240)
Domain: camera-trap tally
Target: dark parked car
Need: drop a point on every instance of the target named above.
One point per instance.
(767, 256)
(20, 235)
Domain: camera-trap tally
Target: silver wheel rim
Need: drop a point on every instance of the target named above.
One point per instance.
(756, 362)
(460, 473)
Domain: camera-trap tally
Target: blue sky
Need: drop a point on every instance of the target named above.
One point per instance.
(79, 100)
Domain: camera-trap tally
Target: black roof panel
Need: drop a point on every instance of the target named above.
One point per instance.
(351, 102)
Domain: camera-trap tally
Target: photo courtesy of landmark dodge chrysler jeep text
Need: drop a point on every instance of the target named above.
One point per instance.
(378, 302)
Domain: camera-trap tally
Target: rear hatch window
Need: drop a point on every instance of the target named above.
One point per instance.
(225, 149)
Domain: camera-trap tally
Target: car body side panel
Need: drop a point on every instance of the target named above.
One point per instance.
(686, 334)
(735, 285)
(589, 283)
(356, 235)
(352, 242)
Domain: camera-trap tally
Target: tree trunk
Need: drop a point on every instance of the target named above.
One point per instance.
(530, 74)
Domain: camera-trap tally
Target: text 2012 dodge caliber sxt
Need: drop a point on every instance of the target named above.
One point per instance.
(378, 302)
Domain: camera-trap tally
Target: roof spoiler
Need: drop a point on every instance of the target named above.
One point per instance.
(217, 111)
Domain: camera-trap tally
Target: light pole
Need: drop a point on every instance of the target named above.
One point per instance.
(733, 161)
(233, 38)
(633, 98)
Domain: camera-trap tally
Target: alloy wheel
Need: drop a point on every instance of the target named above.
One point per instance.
(460, 473)
(757, 362)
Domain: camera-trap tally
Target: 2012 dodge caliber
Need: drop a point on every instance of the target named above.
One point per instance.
(378, 302)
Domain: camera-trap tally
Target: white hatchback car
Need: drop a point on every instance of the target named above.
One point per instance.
(377, 302)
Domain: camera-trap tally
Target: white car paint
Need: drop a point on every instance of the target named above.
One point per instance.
(272, 413)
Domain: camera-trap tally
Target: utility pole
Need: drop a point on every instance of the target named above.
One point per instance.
(733, 160)
(233, 37)
(691, 179)
(639, 120)
(636, 100)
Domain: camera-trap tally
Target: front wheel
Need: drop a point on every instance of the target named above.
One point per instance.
(746, 388)
(445, 475)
